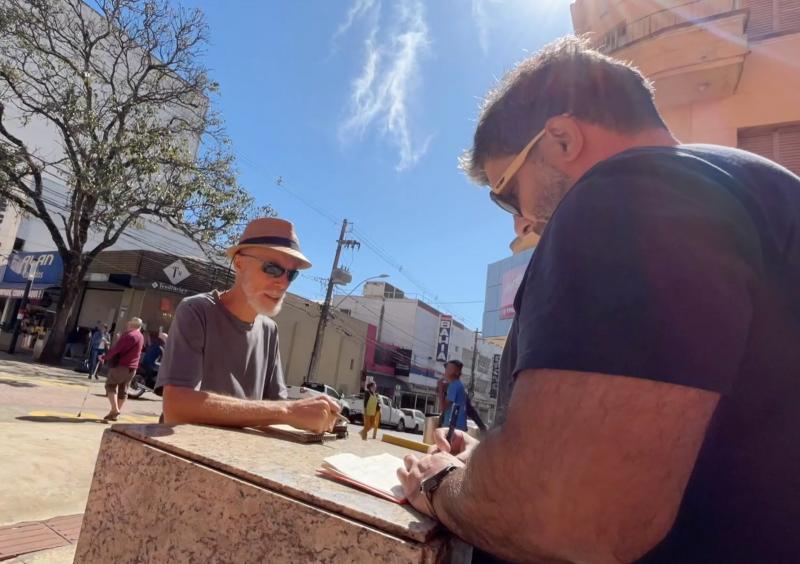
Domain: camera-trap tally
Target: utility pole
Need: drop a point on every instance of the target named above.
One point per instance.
(319, 340)
(474, 358)
(380, 319)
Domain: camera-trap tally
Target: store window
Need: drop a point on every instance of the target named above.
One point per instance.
(780, 143)
(158, 310)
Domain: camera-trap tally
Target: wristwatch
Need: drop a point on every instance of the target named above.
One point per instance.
(432, 483)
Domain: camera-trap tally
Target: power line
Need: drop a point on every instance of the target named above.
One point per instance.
(280, 181)
(368, 241)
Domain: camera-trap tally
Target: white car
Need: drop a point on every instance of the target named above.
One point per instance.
(414, 420)
(310, 389)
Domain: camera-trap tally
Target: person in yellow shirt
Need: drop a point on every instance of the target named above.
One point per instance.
(372, 412)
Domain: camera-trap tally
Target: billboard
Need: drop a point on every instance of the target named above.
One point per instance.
(511, 280)
(443, 339)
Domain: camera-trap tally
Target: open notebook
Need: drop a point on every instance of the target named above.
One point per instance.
(375, 474)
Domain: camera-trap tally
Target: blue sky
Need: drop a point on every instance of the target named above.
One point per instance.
(363, 107)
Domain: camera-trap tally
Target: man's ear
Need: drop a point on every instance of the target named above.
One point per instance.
(568, 137)
(236, 263)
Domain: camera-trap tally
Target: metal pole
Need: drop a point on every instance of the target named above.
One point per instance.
(474, 357)
(319, 339)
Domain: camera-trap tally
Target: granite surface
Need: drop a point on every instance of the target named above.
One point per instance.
(290, 468)
(148, 505)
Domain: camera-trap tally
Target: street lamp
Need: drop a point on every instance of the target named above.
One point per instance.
(350, 293)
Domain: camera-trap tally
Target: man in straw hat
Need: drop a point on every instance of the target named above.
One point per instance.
(222, 358)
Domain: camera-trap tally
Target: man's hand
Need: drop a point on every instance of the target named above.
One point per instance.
(416, 470)
(461, 447)
(318, 414)
(101, 359)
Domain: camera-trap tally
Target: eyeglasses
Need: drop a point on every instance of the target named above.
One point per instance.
(274, 270)
(506, 201)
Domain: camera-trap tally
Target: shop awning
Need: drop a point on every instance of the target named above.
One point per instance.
(385, 382)
(16, 290)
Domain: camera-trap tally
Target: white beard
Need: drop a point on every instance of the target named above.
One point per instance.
(263, 309)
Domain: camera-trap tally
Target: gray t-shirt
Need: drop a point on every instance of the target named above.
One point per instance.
(210, 349)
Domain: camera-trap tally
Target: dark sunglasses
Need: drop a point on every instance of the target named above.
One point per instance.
(505, 204)
(274, 270)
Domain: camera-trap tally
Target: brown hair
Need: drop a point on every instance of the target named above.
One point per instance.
(565, 76)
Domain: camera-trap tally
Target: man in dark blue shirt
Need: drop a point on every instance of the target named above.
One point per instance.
(456, 395)
(656, 343)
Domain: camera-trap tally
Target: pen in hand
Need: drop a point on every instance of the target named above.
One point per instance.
(453, 418)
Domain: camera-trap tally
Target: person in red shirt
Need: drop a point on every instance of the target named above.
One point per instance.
(123, 359)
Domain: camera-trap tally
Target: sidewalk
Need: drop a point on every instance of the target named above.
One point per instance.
(48, 453)
(51, 541)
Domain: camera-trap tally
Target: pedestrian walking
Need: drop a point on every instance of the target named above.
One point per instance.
(654, 347)
(123, 360)
(372, 412)
(151, 360)
(456, 395)
(73, 343)
(95, 342)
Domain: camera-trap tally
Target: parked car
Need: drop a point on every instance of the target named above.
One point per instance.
(310, 389)
(414, 420)
(390, 415)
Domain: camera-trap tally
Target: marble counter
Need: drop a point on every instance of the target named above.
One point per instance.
(205, 494)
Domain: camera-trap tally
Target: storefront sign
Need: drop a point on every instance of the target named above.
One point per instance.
(495, 376)
(42, 268)
(508, 290)
(170, 288)
(443, 342)
(177, 272)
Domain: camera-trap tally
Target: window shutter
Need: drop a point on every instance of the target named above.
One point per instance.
(760, 143)
(780, 143)
(761, 21)
(789, 148)
(788, 15)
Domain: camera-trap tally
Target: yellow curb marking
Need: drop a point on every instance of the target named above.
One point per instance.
(41, 381)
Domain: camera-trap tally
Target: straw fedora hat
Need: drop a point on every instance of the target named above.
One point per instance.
(274, 233)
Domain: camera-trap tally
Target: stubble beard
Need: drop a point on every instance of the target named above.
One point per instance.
(554, 186)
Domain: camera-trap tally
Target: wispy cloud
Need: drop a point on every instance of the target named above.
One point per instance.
(381, 92)
(481, 19)
(357, 10)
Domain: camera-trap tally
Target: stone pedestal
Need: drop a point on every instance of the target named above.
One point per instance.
(204, 494)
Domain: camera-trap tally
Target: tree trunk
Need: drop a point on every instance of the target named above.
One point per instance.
(66, 311)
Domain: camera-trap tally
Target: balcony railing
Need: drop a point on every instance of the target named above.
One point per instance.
(688, 13)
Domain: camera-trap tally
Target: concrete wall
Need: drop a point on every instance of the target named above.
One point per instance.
(342, 359)
(767, 94)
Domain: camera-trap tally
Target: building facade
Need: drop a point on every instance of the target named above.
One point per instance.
(341, 363)
(725, 71)
(405, 355)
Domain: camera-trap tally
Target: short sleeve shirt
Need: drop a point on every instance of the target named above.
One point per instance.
(210, 349)
(682, 265)
(458, 396)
